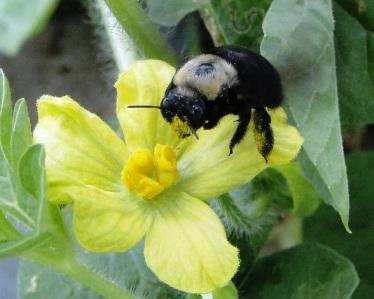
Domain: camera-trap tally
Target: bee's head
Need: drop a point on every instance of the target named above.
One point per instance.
(185, 110)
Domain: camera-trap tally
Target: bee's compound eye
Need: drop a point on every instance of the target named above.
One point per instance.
(204, 69)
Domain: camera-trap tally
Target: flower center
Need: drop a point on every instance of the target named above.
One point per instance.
(149, 174)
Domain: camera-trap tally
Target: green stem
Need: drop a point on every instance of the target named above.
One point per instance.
(124, 51)
(143, 33)
(60, 255)
(96, 282)
(209, 17)
(69, 266)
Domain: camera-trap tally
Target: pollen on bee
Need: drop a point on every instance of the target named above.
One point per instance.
(181, 127)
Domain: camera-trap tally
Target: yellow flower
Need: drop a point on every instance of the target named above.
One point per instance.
(152, 185)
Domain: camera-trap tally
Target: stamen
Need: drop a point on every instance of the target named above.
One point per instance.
(149, 174)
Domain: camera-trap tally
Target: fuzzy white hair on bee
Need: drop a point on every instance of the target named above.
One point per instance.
(207, 74)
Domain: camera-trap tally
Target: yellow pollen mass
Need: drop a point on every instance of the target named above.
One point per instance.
(147, 173)
(180, 127)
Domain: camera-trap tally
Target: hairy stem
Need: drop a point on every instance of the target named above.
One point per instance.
(208, 15)
(123, 50)
(143, 33)
(96, 282)
(69, 266)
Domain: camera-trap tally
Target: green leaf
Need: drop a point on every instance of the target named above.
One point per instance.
(355, 83)
(8, 175)
(5, 116)
(370, 45)
(7, 231)
(20, 20)
(26, 203)
(22, 182)
(31, 171)
(127, 270)
(299, 42)
(13, 198)
(3, 236)
(357, 246)
(227, 292)
(305, 199)
(239, 22)
(21, 136)
(362, 10)
(308, 271)
(171, 12)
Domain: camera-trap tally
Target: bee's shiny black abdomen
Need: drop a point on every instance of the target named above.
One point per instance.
(260, 83)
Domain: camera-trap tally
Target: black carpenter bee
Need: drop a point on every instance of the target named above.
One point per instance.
(225, 80)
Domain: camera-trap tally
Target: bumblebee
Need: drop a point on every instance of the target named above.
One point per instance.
(225, 80)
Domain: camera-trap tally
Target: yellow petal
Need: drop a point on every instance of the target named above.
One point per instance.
(207, 170)
(287, 139)
(108, 221)
(186, 246)
(144, 84)
(80, 148)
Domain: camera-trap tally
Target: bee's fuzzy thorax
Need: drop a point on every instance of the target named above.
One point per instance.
(208, 83)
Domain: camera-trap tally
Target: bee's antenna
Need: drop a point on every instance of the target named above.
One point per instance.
(143, 106)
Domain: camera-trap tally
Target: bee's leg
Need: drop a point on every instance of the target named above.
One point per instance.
(244, 118)
(262, 132)
(216, 111)
(211, 122)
